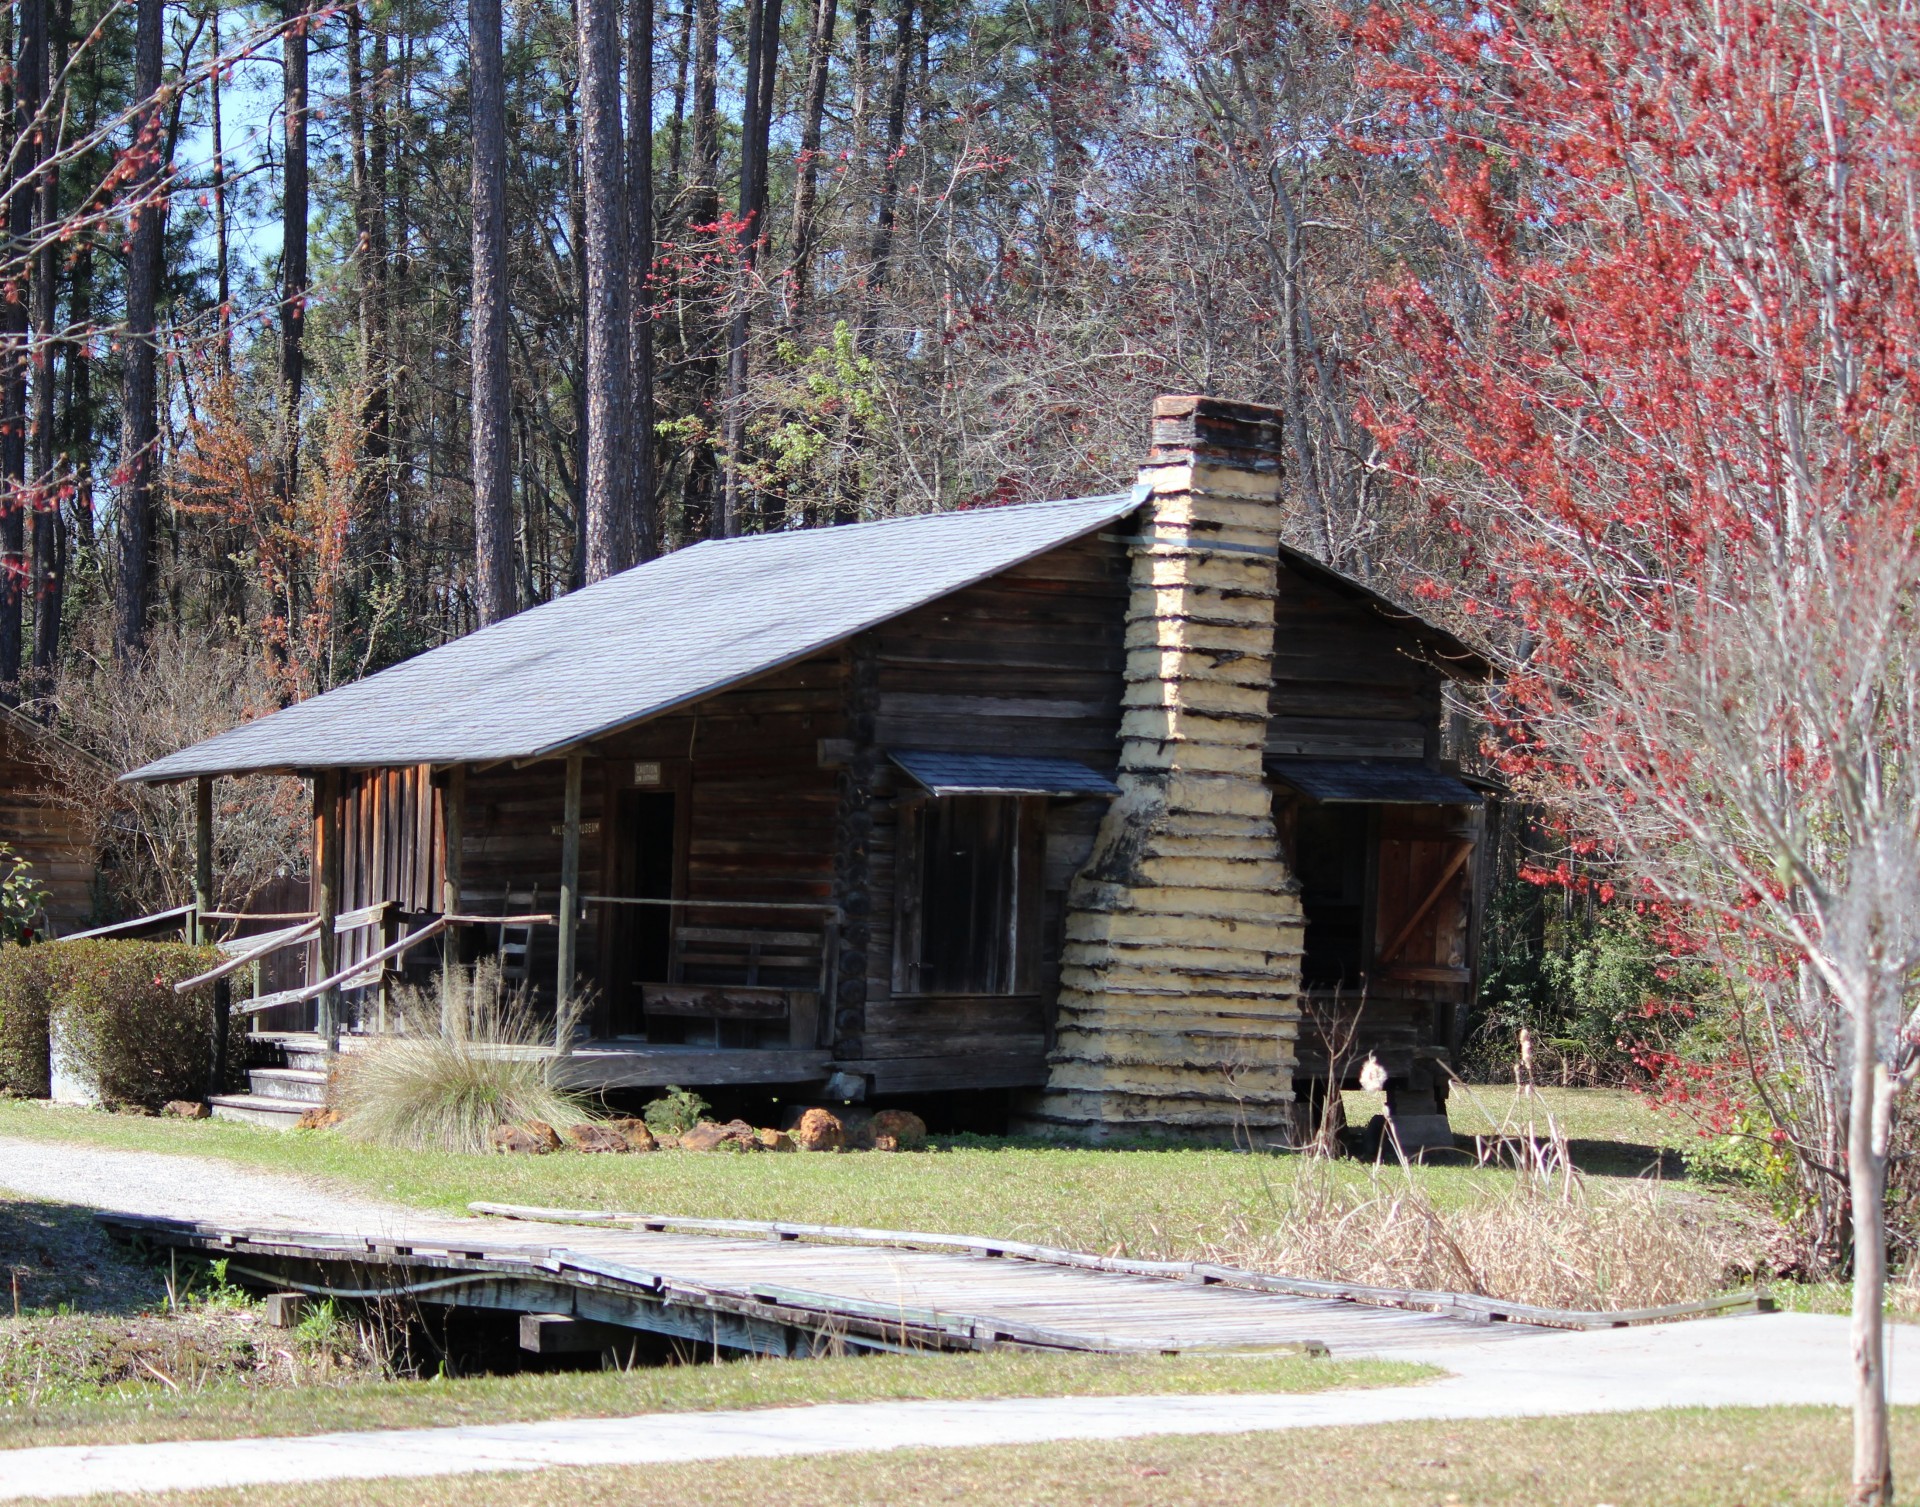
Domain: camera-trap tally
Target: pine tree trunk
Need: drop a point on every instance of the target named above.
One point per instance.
(700, 510)
(492, 455)
(703, 200)
(676, 131)
(806, 191)
(378, 290)
(28, 38)
(47, 518)
(880, 253)
(78, 420)
(1867, 1188)
(763, 41)
(862, 76)
(609, 477)
(139, 421)
(293, 233)
(222, 271)
(640, 267)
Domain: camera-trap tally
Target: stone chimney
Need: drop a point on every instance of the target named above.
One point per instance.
(1179, 999)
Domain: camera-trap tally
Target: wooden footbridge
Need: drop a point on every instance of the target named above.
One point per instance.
(580, 1280)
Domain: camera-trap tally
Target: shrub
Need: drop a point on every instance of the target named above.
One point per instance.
(433, 1089)
(675, 1112)
(23, 1020)
(114, 1002)
(23, 899)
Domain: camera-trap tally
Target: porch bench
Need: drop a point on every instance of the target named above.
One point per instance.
(744, 982)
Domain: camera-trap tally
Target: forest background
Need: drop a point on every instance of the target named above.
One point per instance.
(336, 331)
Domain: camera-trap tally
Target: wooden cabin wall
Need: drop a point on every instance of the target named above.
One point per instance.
(757, 767)
(48, 833)
(390, 839)
(1346, 683)
(761, 819)
(1030, 662)
(1406, 1015)
(510, 840)
(390, 849)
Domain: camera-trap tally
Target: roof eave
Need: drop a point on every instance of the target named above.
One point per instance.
(1135, 497)
(157, 772)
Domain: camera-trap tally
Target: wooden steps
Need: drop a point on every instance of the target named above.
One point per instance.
(286, 1077)
(258, 1109)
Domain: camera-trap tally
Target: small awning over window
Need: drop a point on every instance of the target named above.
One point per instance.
(1385, 782)
(1000, 774)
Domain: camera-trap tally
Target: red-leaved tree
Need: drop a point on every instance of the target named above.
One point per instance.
(1671, 410)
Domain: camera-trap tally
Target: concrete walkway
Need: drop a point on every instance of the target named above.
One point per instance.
(1778, 1359)
(1734, 1362)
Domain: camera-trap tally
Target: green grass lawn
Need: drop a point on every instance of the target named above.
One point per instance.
(1580, 1114)
(146, 1413)
(1152, 1203)
(1781, 1457)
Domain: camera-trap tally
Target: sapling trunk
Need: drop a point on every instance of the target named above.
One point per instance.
(1866, 1184)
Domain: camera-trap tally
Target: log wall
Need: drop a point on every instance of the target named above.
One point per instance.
(46, 831)
(1347, 684)
(1031, 662)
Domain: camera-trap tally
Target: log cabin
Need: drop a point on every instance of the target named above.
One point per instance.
(1117, 808)
(42, 824)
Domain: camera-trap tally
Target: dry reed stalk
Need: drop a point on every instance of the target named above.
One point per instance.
(1640, 1246)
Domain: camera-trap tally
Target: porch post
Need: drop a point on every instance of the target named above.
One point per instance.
(326, 874)
(569, 905)
(203, 928)
(453, 797)
(202, 859)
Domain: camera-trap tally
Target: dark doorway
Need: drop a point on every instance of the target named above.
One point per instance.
(1332, 845)
(643, 934)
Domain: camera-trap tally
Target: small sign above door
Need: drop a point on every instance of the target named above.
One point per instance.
(646, 772)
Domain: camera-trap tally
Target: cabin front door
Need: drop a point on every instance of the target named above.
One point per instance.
(640, 936)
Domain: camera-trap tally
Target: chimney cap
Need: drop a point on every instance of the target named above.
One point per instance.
(1216, 431)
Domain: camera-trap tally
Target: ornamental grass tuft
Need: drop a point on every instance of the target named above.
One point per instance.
(449, 1077)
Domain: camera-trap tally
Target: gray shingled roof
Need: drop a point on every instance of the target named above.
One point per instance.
(1387, 782)
(651, 638)
(999, 774)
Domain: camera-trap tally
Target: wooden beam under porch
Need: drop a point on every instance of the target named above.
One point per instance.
(605, 1065)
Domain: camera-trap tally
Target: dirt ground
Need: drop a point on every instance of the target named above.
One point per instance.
(85, 1316)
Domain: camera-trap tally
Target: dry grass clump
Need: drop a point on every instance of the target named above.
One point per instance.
(1545, 1236)
(448, 1078)
(1571, 1248)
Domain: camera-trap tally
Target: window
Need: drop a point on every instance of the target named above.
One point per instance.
(964, 888)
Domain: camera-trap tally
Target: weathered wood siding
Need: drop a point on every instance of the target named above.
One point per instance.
(390, 845)
(1347, 684)
(46, 831)
(1031, 662)
(761, 805)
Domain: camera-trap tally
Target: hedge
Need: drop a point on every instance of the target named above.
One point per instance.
(122, 1023)
(23, 1020)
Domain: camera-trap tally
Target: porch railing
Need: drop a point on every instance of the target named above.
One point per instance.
(252, 952)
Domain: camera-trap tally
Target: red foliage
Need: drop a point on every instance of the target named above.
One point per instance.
(1669, 409)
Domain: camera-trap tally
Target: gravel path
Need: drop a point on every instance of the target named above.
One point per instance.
(179, 1187)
